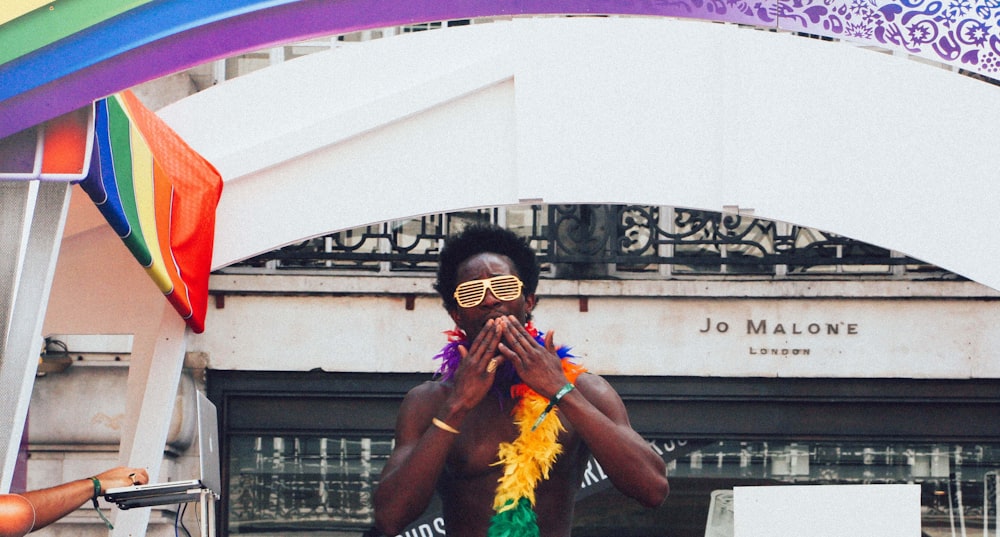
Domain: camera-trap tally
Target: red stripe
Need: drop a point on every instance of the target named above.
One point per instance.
(65, 150)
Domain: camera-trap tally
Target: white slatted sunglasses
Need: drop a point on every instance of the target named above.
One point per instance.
(471, 293)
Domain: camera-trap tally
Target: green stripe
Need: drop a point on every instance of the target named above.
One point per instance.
(55, 21)
(121, 148)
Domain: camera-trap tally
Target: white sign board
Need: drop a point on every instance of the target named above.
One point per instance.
(827, 511)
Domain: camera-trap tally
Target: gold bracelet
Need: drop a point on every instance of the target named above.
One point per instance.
(444, 426)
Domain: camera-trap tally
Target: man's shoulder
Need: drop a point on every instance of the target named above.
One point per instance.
(429, 389)
(591, 378)
(593, 384)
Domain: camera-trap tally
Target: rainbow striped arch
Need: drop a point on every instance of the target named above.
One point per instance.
(58, 57)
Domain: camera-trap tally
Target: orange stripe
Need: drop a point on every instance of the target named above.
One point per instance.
(164, 194)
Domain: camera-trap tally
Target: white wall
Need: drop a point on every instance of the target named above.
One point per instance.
(755, 329)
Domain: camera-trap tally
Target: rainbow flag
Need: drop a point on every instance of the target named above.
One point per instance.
(159, 196)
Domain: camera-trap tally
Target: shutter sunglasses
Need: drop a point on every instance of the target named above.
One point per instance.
(472, 292)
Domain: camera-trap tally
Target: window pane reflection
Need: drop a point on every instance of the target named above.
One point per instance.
(305, 483)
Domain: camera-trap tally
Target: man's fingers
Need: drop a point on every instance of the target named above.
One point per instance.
(486, 339)
(517, 336)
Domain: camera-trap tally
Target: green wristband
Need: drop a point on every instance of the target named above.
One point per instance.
(93, 499)
(552, 403)
(559, 395)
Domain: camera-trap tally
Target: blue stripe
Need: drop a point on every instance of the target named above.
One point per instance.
(111, 206)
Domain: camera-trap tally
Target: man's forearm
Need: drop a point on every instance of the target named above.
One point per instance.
(53, 503)
(631, 465)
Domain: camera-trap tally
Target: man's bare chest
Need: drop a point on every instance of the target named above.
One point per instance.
(474, 453)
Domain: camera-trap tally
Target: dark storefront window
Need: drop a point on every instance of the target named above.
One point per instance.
(303, 451)
(323, 486)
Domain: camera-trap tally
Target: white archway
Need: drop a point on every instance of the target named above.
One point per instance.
(800, 130)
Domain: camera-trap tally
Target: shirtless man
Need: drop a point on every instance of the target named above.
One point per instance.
(449, 430)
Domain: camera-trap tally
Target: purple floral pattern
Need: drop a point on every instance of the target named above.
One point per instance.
(963, 33)
(958, 32)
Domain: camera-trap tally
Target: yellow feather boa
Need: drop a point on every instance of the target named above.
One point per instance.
(528, 459)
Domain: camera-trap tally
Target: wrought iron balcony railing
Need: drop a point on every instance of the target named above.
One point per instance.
(602, 241)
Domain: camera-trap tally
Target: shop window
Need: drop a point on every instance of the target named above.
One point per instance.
(958, 484)
(318, 483)
(304, 451)
(324, 485)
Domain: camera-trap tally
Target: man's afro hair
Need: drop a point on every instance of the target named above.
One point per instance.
(476, 239)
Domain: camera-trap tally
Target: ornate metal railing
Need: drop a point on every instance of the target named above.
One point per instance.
(598, 241)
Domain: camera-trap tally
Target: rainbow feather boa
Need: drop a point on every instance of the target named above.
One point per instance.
(529, 458)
